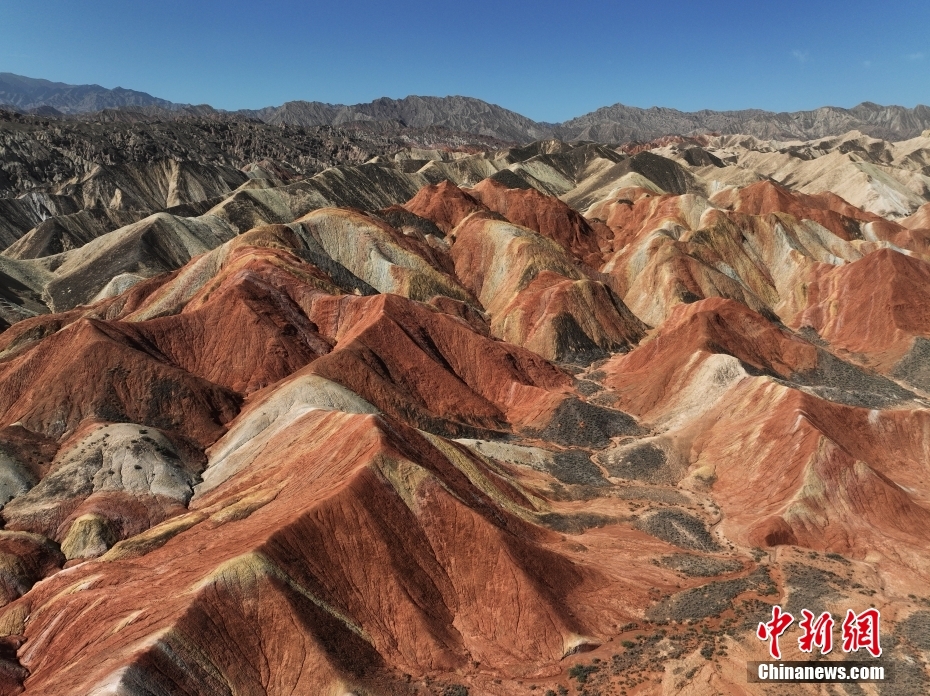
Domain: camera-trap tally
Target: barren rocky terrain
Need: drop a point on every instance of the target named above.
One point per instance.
(543, 419)
(618, 123)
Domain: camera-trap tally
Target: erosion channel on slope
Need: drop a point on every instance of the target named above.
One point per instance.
(555, 418)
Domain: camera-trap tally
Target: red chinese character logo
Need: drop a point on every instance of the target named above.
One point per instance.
(773, 629)
(819, 632)
(862, 632)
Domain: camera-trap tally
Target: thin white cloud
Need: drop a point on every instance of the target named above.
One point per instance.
(915, 56)
(866, 64)
(800, 56)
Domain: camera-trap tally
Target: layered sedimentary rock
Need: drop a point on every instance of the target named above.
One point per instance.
(423, 426)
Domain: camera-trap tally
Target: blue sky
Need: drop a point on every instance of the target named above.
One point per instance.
(547, 60)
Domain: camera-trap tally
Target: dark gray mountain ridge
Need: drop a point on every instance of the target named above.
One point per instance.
(617, 123)
(28, 94)
(457, 113)
(65, 177)
(39, 151)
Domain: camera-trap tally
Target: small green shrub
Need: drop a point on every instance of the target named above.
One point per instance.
(582, 672)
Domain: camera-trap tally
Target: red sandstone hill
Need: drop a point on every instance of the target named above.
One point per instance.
(526, 421)
(827, 209)
(854, 313)
(547, 215)
(302, 528)
(445, 204)
(661, 367)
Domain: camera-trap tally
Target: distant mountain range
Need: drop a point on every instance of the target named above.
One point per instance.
(617, 123)
(30, 94)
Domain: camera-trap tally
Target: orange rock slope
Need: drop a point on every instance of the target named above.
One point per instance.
(483, 440)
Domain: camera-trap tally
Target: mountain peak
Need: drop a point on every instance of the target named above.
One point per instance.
(616, 123)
